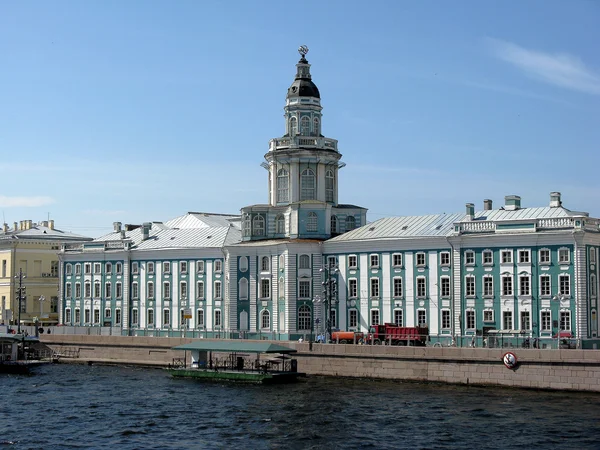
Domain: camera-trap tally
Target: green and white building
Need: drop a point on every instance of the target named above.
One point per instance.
(530, 272)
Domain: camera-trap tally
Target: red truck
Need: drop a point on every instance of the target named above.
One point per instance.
(383, 334)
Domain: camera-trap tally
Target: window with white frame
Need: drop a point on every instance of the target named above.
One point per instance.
(592, 255)
(97, 289)
(398, 291)
(77, 269)
(265, 320)
(525, 320)
(334, 224)
(374, 260)
(469, 258)
(280, 224)
(258, 226)
(488, 315)
(524, 256)
(304, 262)
(118, 316)
(350, 223)
(593, 285)
(544, 256)
(135, 268)
(564, 281)
(134, 316)
(150, 289)
(87, 315)
(421, 318)
(119, 289)
(507, 285)
(374, 317)
(97, 268)
(96, 316)
(183, 266)
(183, 289)
(119, 267)
(68, 269)
(68, 316)
(374, 287)
(265, 288)
(150, 267)
(108, 268)
(150, 317)
(283, 189)
(487, 258)
(545, 286)
(470, 286)
(398, 318)
(218, 292)
(421, 287)
(68, 290)
(243, 288)
(352, 262)
(445, 287)
(488, 286)
(135, 292)
(304, 289)
(307, 185)
(445, 259)
(524, 285)
(545, 321)
(166, 290)
(397, 259)
(506, 256)
(305, 126)
(564, 256)
(77, 316)
(332, 262)
(166, 267)
(264, 264)
(166, 318)
(77, 290)
(88, 289)
(200, 290)
(218, 265)
(108, 289)
(293, 126)
(470, 319)
(200, 318)
(446, 319)
(352, 318)
(352, 288)
(420, 258)
(304, 318)
(87, 268)
(565, 320)
(246, 227)
(507, 320)
(329, 183)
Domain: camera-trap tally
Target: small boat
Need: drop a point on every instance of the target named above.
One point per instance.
(221, 360)
(17, 355)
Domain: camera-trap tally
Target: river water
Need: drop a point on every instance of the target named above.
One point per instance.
(76, 406)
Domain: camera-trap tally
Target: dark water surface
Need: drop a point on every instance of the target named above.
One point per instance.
(71, 406)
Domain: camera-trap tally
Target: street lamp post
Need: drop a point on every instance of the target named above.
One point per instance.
(20, 291)
(329, 293)
(41, 300)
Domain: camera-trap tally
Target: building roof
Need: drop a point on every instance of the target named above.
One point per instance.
(42, 232)
(203, 220)
(543, 212)
(235, 347)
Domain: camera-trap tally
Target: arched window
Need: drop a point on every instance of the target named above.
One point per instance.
(280, 224)
(334, 224)
(282, 185)
(293, 126)
(307, 185)
(264, 264)
(305, 126)
(316, 127)
(304, 262)
(304, 318)
(243, 263)
(247, 227)
(350, 223)
(312, 224)
(329, 182)
(265, 320)
(243, 289)
(258, 226)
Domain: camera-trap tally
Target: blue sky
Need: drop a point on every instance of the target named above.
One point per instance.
(135, 111)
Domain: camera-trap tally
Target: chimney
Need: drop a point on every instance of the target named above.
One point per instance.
(51, 224)
(123, 236)
(487, 205)
(470, 211)
(146, 230)
(117, 226)
(15, 226)
(29, 224)
(555, 201)
(512, 202)
(44, 223)
(5, 228)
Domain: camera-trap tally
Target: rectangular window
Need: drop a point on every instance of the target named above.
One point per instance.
(445, 259)
(352, 262)
(374, 260)
(524, 257)
(68, 269)
(166, 267)
(470, 286)
(565, 284)
(265, 288)
(488, 286)
(119, 268)
(150, 315)
(77, 269)
(525, 320)
(87, 315)
(166, 318)
(544, 256)
(565, 321)
(200, 289)
(398, 318)
(77, 316)
(397, 259)
(108, 268)
(507, 283)
(118, 316)
(135, 292)
(97, 268)
(398, 288)
(488, 315)
(107, 313)
(564, 256)
(445, 287)
(166, 290)
(352, 288)
(54, 268)
(67, 316)
(374, 317)
(470, 319)
(545, 287)
(150, 268)
(77, 290)
(420, 259)
(107, 289)
(218, 290)
(353, 318)
(218, 265)
(421, 289)
(200, 318)
(506, 256)
(68, 290)
(507, 322)
(524, 285)
(546, 321)
(150, 289)
(304, 289)
(332, 262)
(445, 319)
(592, 255)
(88, 268)
(183, 266)
(88, 290)
(375, 287)
(421, 318)
(135, 268)
(96, 290)
(183, 289)
(134, 316)
(119, 290)
(469, 258)
(200, 266)
(217, 318)
(487, 258)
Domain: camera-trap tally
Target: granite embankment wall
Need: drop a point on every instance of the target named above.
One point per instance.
(542, 369)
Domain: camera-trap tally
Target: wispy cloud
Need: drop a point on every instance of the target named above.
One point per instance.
(9, 202)
(560, 69)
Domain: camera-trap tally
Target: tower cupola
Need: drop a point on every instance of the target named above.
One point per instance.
(303, 85)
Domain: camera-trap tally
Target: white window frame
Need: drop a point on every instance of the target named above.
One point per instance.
(506, 257)
(470, 320)
(397, 260)
(374, 260)
(200, 266)
(524, 255)
(218, 290)
(399, 314)
(445, 287)
(200, 291)
(352, 288)
(421, 283)
(374, 316)
(561, 284)
(524, 285)
(151, 267)
(135, 268)
(488, 286)
(398, 287)
(561, 256)
(97, 268)
(470, 286)
(545, 321)
(352, 261)
(353, 318)
(420, 259)
(183, 266)
(488, 315)
(218, 265)
(564, 320)
(487, 253)
(150, 290)
(445, 259)
(503, 291)
(469, 258)
(544, 256)
(265, 264)
(546, 293)
(445, 319)
(374, 288)
(505, 315)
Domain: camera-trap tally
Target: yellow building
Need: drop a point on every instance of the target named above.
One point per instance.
(29, 259)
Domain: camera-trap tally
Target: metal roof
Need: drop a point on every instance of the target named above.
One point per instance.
(543, 212)
(45, 233)
(235, 346)
(203, 220)
(213, 237)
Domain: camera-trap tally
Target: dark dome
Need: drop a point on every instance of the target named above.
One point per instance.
(302, 87)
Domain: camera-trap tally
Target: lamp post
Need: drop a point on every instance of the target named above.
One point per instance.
(20, 291)
(41, 300)
(329, 284)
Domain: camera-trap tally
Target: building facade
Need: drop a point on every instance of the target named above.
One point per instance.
(303, 261)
